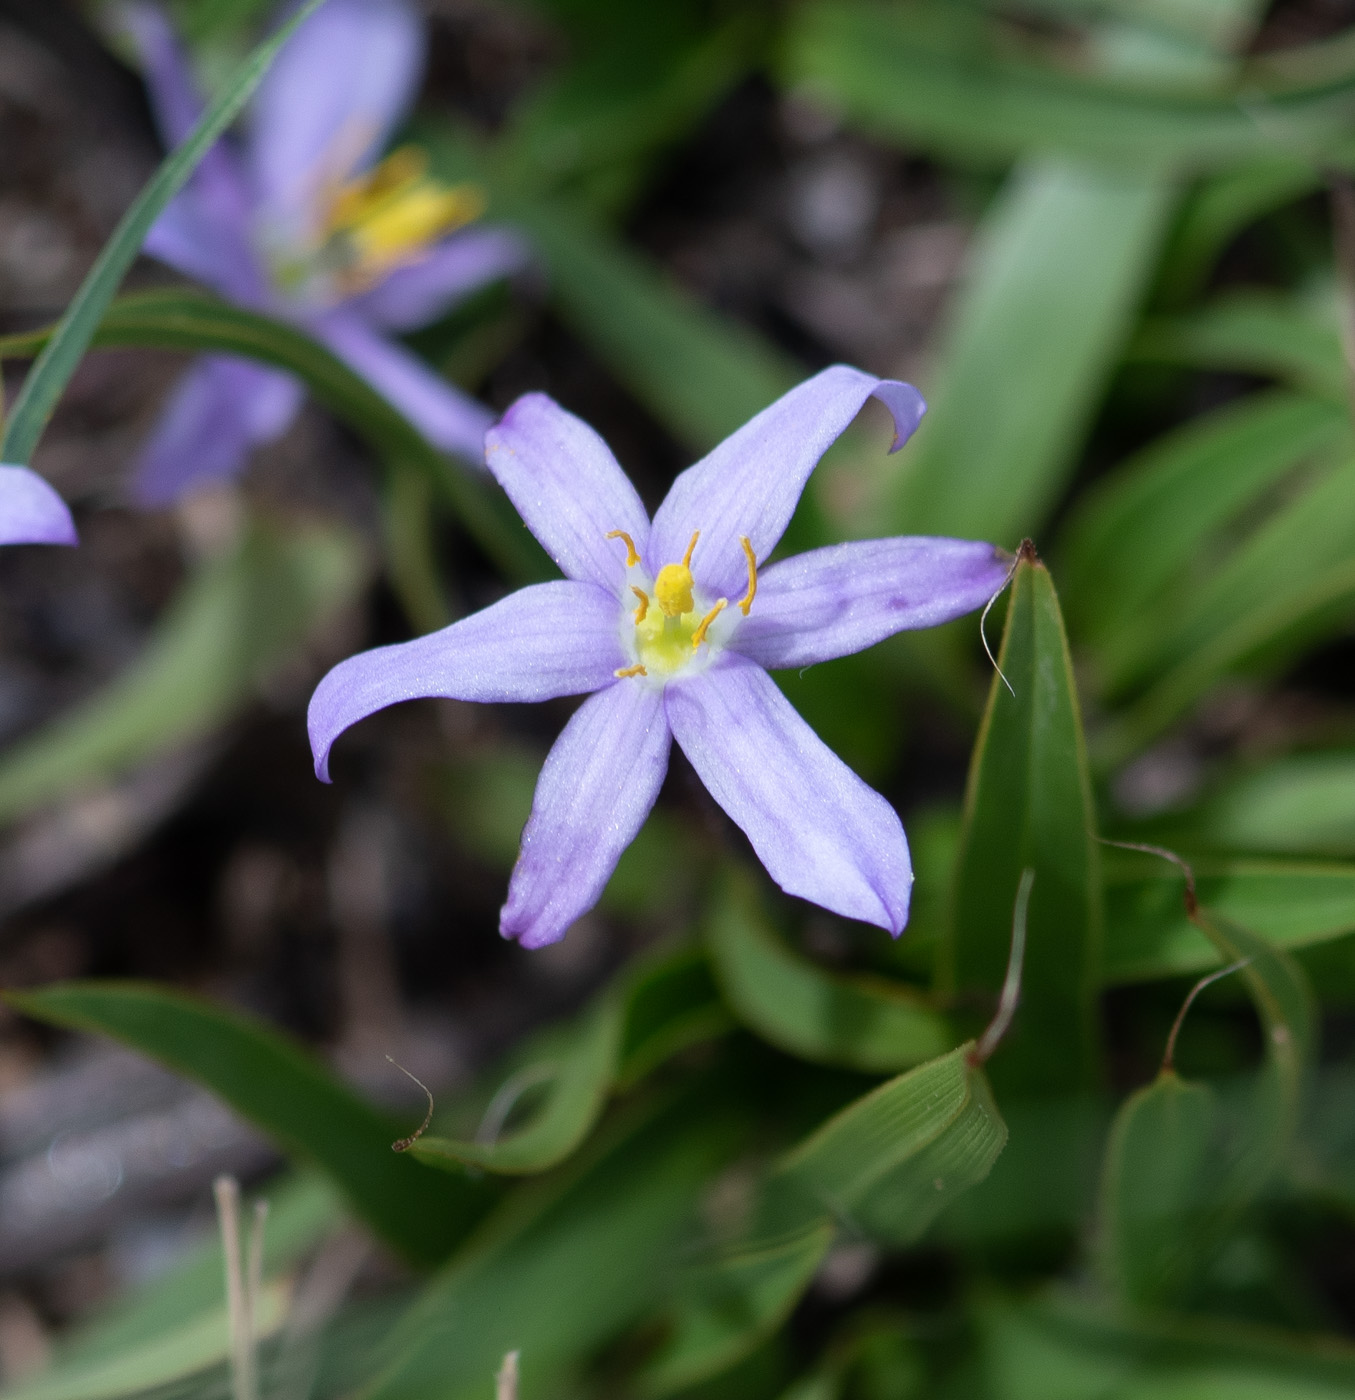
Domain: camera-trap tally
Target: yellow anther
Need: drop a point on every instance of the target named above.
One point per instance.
(747, 602)
(626, 671)
(391, 215)
(691, 549)
(699, 635)
(673, 590)
(642, 611)
(632, 557)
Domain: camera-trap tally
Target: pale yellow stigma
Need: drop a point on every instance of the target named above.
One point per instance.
(627, 671)
(673, 587)
(391, 215)
(632, 557)
(643, 610)
(699, 635)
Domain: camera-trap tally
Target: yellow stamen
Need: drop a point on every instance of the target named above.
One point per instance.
(643, 609)
(627, 671)
(699, 635)
(691, 549)
(746, 604)
(632, 558)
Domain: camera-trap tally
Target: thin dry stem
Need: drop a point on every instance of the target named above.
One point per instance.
(1183, 865)
(1011, 984)
(227, 1192)
(1169, 1054)
(506, 1381)
(405, 1143)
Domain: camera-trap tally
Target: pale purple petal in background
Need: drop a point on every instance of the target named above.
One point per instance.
(836, 601)
(204, 232)
(568, 488)
(331, 101)
(543, 641)
(415, 295)
(822, 833)
(218, 411)
(597, 787)
(31, 512)
(447, 417)
(193, 237)
(750, 484)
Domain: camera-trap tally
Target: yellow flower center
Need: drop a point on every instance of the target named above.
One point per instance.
(389, 217)
(668, 638)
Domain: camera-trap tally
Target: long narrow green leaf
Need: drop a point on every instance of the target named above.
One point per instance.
(282, 1089)
(931, 75)
(59, 357)
(1028, 804)
(227, 630)
(1292, 903)
(864, 1023)
(1063, 257)
(182, 319)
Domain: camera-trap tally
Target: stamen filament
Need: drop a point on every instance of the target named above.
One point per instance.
(687, 558)
(746, 604)
(632, 557)
(699, 635)
(627, 671)
(642, 611)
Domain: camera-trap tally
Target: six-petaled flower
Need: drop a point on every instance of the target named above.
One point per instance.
(305, 223)
(672, 625)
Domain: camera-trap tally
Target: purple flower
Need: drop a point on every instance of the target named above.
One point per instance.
(303, 223)
(671, 624)
(30, 511)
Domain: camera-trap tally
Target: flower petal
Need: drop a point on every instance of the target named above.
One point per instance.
(550, 639)
(205, 230)
(216, 413)
(750, 484)
(568, 487)
(448, 418)
(834, 601)
(415, 295)
(597, 787)
(31, 512)
(820, 831)
(337, 90)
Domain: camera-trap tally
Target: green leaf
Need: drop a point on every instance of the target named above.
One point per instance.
(1137, 543)
(181, 319)
(865, 1023)
(934, 76)
(672, 1003)
(1157, 1191)
(285, 1092)
(1062, 260)
(1262, 333)
(229, 627)
(1028, 804)
(890, 1162)
(69, 341)
(1301, 804)
(1291, 903)
(578, 1070)
(731, 1306)
(568, 1261)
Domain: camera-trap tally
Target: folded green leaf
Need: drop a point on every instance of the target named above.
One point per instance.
(224, 634)
(182, 319)
(1062, 260)
(284, 1091)
(865, 1023)
(69, 341)
(890, 1162)
(577, 1073)
(1028, 804)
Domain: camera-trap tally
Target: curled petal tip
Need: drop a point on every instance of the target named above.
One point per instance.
(31, 512)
